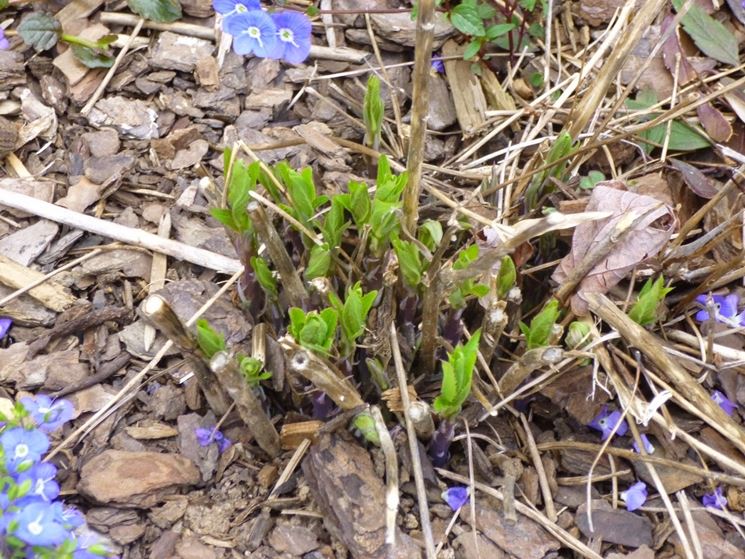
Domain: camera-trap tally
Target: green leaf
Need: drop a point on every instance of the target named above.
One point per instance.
(313, 330)
(466, 19)
(252, 370)
(162, 11)
(312, 11)
(357, 202)
(265, 277)
(353, 314)
(528, 5)
(465, 257)
(92, 58)
(365, 424)
(498, 29)
(334, 224)
(472, 49)
(373, 111)
(40, 31)
(644, 311)
(710, 35)
(457, 376)
(539, 331)
(578, 334)
(592, 178)
(224, 216)
(562, 147)
(209, 340)
(430, 234)
(4, 4)
(319, 262)
(507, 276)
(409, 261)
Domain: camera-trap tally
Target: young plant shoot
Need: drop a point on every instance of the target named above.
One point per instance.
(457, 375)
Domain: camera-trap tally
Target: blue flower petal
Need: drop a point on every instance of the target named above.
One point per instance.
(38, 524)
(635, 496)
(456, 496)
(715, 499)
(253, 32)
(5, 321)
(293, 36)
(229, 6)
(648, 446)
(606, 421)
(723, 402)
(22, 447)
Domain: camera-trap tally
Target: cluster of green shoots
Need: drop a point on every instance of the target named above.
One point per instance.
(344, 244)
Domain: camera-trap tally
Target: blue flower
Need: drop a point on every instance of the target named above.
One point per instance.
(725, 309)
(635, 496)
(228, 7)
(22, 447)
(293, 34)
(48, 415)
(5, 321)
(89, 545)
(43, 485)
(253, 32)
(606, 421)
(723, 402)
(456, 496)
(206, 437)
(38, 523)
(4, 45)
(438, 66)
(648, 446)
(715, 499)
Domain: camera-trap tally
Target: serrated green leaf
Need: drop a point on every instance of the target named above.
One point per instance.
(209, 340)
(365, 424)
(472, 49)
(92, 58)
(644, 311)
(224, 216)
(457, 376)
(409, 261)
(710, 35)
(466, 256)
(430, 234)
(466, 19)
(499, 29)
(40, 31)
(539, 331)
(373, 111)
(319, 262)
(265, 277)
(162, 11)
(507, 276)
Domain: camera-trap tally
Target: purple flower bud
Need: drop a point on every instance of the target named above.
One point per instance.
(723, 402)
(606, 421)
(715, 499)
(635, 496)
(648, 446)
(439, 446)
(438, 66)
(456, 496)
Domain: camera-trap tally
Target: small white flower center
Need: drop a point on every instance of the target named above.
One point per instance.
(39, 490)
(240, 8)
(35, 527)
(287, 36)
(255, 33)
(21, 451)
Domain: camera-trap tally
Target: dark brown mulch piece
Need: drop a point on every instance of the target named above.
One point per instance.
(342, 480)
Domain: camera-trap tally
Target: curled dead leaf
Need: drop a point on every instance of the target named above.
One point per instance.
(638, 228)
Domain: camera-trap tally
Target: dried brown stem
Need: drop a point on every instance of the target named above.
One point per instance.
(291, 281)
(249, 407)
(302, 362)
(420, 110)
(156, 310)
(529, 361)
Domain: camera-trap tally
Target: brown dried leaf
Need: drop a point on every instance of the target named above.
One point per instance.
(695, 179)
(673, 55)
(713, 121)
(653, 223)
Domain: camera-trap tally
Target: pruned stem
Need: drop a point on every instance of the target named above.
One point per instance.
(529, 361)
(156, 310)
(420, 109)
(247, 403)
(291, 281)
(302, 362)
